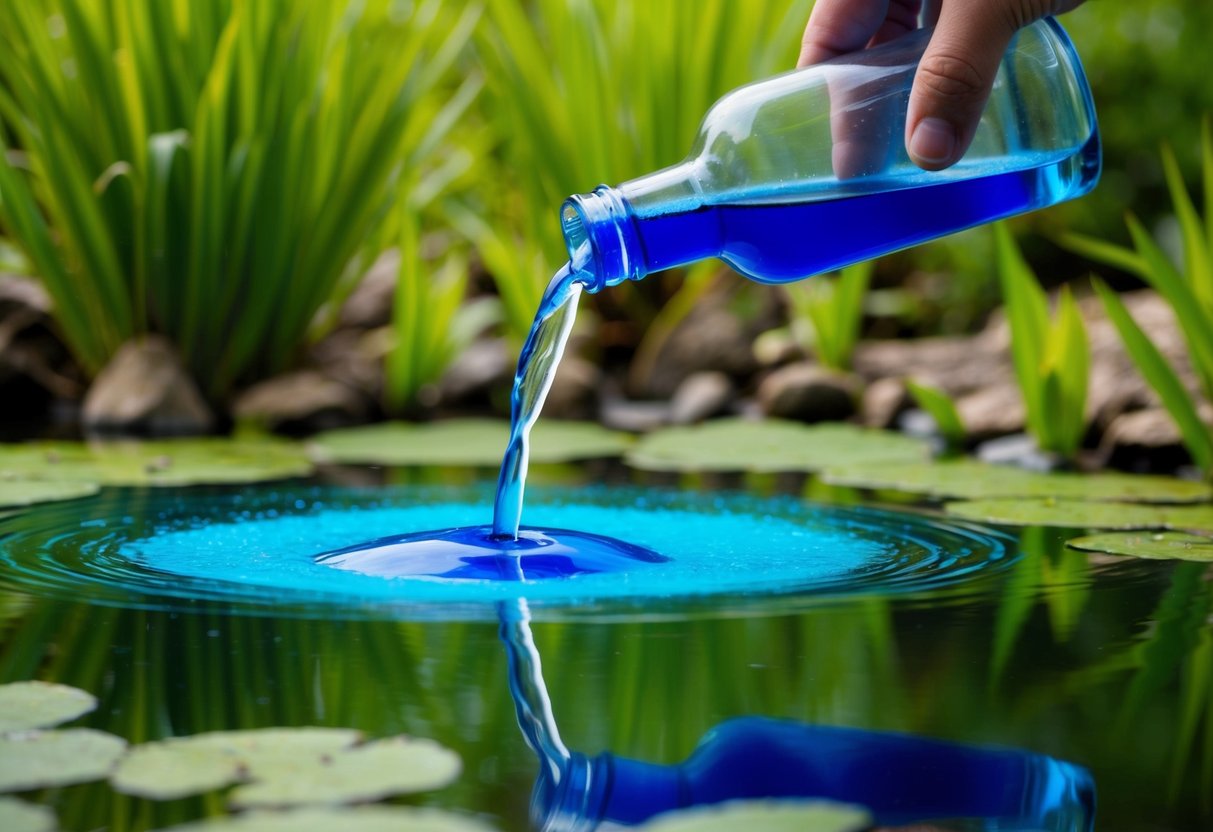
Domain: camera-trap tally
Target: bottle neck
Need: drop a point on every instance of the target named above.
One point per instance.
(646, 225)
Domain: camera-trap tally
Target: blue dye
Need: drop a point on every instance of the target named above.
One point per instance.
(477, 554)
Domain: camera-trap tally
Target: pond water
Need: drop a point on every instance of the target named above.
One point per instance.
(204, 609)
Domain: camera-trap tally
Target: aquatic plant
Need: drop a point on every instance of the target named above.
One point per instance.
(574, 108)
(210, 170)
(1052, 360)
(1188, 291)
(942, 410)
(827, 312)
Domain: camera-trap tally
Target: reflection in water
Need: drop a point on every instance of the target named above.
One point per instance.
(900, 779)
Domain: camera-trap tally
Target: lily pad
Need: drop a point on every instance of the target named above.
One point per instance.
(1150, 545)
(184, 766)
(352, 819)
(28, 705)
(168, 462)
(975, 480)
(1079, 514)
(764, 816)
(398, 765)
(20, 491)
(19, 816)
(39, 759)
(770, 446)
(463, 442)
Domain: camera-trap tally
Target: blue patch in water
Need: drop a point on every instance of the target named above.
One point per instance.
(256, 550)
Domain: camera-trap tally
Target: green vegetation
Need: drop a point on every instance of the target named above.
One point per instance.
(827, 313)
(1188, 291)
(210, 170)
(1052, 361)
(942, 409)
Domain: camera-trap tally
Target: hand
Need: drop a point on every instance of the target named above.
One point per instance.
(957, 71)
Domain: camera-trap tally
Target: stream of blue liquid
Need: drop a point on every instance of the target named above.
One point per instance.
(769, 239)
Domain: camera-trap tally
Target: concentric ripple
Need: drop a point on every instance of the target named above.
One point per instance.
(255, 551)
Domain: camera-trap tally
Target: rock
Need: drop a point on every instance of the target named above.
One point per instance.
(306, 401)
(701, 396)
(146, 388)
(956, 365)
(35, 365)
(634, 416)
(712, 338)
(487, 362)
(883, 402)
(354, 357)
(777, 347)
(370, 304)
(1018, 450)
(575, 390)
(1145, 441)
(809, 393)
(996, 410)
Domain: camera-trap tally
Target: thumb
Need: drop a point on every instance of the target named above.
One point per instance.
(953, 81)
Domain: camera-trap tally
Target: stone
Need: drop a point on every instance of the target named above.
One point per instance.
(1019, 450)
(575, 391)
(486, 363)
(634, 416)
(992, 411)
(777, 347)
(35, 365)
(302, 402)
(1144, 441)
(809, 393)
(370, 304)
(701, 396)
(712, 338)
(956, 365)
(883, 403)
(145, 388)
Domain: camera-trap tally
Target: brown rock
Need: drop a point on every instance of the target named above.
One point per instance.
(485, 364)
(809, 393)
(305, 401)
(993, 411)
(145, 388)
(35, 365)
(575, 390)
(710, 339)
(701, 396)
(634, 416)
(370, 304)
(884, 400)
(1145, 441)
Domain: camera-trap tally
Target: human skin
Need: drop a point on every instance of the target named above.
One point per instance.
(957, 70)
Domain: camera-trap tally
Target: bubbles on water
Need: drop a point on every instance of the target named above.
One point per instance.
(662, 553)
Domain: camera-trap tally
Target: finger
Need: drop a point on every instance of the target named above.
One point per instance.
(839, 26)
(954, 79)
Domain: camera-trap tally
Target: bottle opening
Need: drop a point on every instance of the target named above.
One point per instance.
(573, 226)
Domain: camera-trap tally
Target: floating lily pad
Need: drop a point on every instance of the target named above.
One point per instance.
(39, 759)
(975, 480)
(352, 819)
(168, 462)
(184, 766)
(27, 705)
(463, 442)
(27, 492)
(19, 816)
(764, 816)
(398, 765)
(1150, 545)
(1078, 514)
(771, 445)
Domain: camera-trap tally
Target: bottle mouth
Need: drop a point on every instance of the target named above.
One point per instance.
(572, 225)
(600, 238)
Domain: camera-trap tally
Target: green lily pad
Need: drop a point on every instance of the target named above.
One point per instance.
(184, 766)
(764, 816)
(1150, 545)
(28, 492)
(397, 765)
(1078, 514)
(28, 705)
(19, 816)
(351, 819)
(39, 759)
(166, 462)
(975, 480)
(769, 446)
(463, 442)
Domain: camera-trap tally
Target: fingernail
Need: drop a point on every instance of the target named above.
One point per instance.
(933, 141)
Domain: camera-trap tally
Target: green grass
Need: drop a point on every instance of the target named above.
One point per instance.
(1052, 359)
(827, 312)
(1188, 290)
(211, 170)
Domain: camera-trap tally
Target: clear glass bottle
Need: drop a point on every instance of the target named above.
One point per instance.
(807, 172)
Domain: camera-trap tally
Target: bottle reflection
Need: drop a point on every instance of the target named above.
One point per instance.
(899, 779)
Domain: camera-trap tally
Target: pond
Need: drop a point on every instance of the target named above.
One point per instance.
(200, 609)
